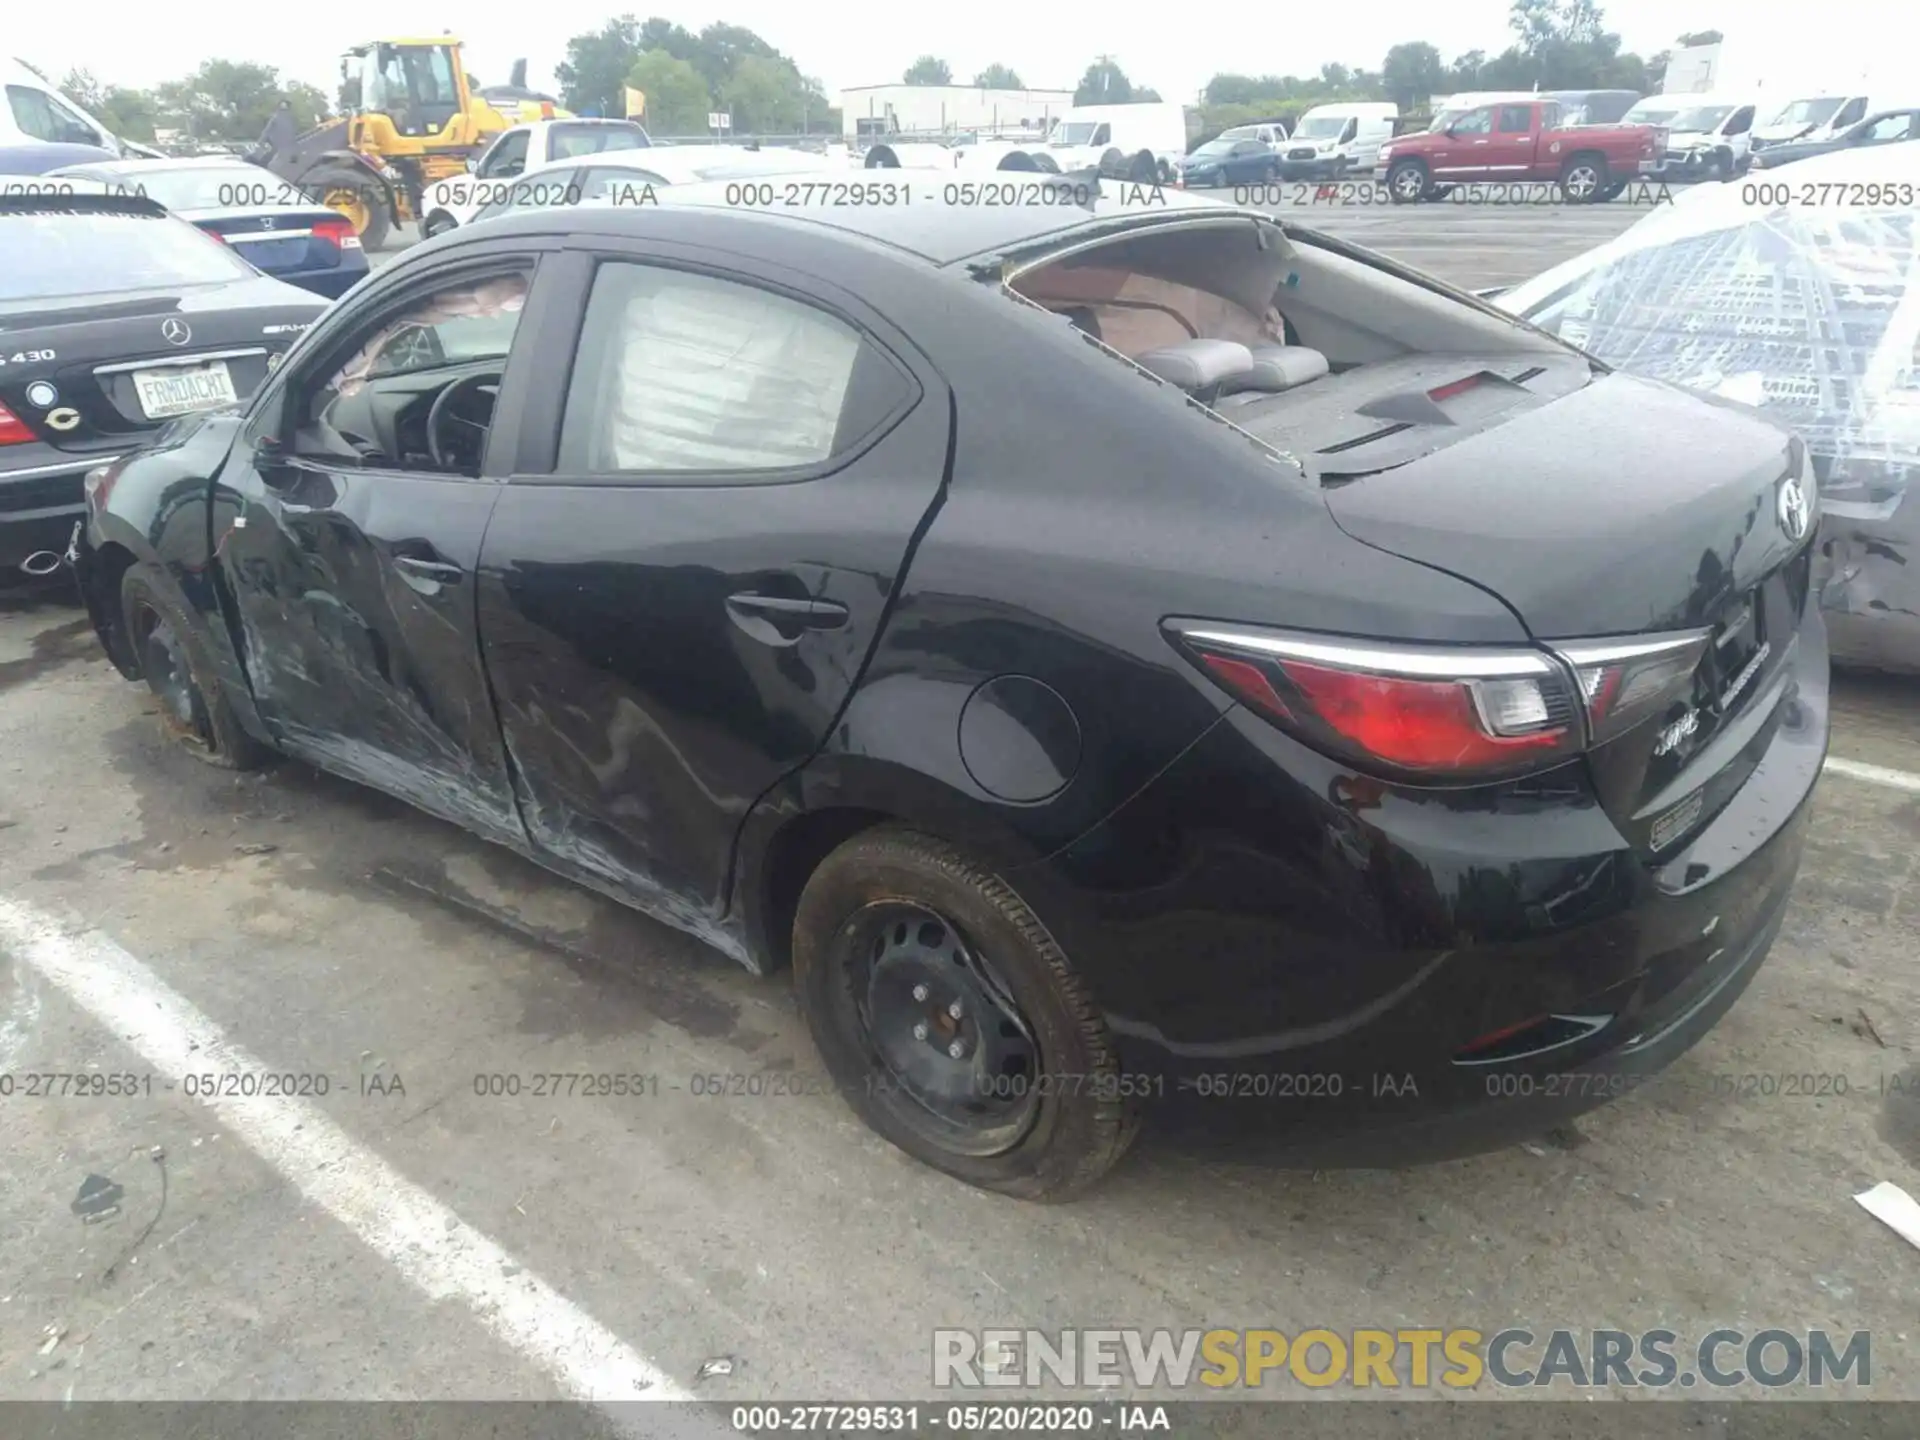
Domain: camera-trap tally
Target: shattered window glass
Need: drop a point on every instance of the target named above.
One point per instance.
(1809, 312)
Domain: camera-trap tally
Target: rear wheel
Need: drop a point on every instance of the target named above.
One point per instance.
(1582, 179)
(174, 662)
(438, 223)
(1614, 191)
(1144, 169)
(953, 1023)
(1406, 182)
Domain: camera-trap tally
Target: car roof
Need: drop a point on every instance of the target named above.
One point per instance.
(683, 164)
(939, 231)
(135, 165)
(25, 185)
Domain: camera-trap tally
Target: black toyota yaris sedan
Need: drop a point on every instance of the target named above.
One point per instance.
(1129, 658)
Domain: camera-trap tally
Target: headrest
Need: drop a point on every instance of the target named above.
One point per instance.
(1197, 364)
(1281, 367)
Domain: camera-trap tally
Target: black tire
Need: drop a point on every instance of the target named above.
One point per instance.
(1143, 169)
(438, 223)
(174, 662)
(379, 226)
(1069, 1135)
(1614, 191)
(1166, 173)
(1583, 179)
(1407, 182)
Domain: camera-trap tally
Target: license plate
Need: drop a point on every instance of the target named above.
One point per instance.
(179, 390)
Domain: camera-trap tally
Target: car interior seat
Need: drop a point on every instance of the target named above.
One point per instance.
(1202, 368)
(1275, 368)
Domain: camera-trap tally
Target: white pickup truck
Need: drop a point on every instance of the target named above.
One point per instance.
(454, 201)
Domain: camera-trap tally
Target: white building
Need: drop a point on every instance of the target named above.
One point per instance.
(874, 110)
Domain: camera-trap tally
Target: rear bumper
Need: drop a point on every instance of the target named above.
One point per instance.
(1292, 967)
(1866, 581)
(40, 502)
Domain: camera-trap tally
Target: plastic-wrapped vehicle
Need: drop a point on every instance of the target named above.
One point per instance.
(1793, 293)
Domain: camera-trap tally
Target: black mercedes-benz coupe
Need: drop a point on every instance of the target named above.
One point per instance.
(1129, 659)
(115, 317)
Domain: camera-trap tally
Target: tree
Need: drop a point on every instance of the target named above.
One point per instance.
(1145, 94)
(678, 100)
(1699, 37)
(127, 113)
(594, 74)
(768, 96)
(1413, 74)
(928, 70)
(998, 77)
(1464, 73)
(1105, 83)
(233, 100)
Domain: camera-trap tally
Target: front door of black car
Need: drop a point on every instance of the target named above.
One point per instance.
(352, 560)
(680, 586)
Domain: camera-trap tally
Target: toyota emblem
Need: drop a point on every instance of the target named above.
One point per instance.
(175, 332)
(1795, 514)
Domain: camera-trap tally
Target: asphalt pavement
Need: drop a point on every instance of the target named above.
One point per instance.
(402, 1226)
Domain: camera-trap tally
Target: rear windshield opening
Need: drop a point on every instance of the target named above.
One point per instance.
(1137, 294)
(53, 253)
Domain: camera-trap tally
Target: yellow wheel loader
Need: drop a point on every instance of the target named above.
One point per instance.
(414, 116)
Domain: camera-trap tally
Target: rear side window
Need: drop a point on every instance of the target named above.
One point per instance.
(567, 141)
(682, 373)
(50, 254)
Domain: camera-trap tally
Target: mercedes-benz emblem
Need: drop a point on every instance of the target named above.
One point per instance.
(1795, 514)
(175, 332)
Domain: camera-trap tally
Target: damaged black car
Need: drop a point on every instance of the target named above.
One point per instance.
(1129, 662)
(1791, 292)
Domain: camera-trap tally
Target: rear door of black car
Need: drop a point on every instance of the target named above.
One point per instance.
(351, 561)
(692, 559)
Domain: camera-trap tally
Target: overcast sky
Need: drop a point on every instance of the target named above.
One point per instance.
(1048, 44)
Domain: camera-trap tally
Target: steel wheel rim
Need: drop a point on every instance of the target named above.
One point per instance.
(968, 1081)
(1581, 182)
(1408, 183)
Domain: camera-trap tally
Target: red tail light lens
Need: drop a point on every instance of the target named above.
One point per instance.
(1434, 712)
(340, 232)
(13, 430)
(1447, 714)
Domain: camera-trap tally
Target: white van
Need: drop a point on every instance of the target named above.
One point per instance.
(1335, 140)
(1134, 142)
(37, 112)
(1812, 118)
(1709, 137)
(1267, 132)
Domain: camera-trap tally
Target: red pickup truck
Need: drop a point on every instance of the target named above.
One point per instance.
(1519, 140)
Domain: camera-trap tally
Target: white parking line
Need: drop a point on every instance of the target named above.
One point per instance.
(1874, 774)
(437, 1252)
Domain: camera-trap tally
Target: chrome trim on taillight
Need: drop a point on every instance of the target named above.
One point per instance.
(1411, 662)
(1612, 652)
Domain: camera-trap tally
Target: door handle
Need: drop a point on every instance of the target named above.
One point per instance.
(776, 620)
(432, 572)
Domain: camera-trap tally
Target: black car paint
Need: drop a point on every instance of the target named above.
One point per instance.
(1240, 903)
(40, 479)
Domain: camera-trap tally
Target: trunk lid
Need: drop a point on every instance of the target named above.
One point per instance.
(279, 241)
(1620, 508)
(91, 348)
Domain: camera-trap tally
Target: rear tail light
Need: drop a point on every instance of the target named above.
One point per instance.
(13, 430)
(1443, 713)
(1623, 684)
(340, 232)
